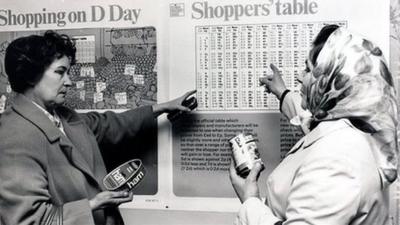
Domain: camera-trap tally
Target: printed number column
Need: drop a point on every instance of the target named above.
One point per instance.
(247, 75)
(203, 67)
(217, 67)
(232, 88)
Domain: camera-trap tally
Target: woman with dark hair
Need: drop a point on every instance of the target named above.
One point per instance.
(51, 168)
(339, 172)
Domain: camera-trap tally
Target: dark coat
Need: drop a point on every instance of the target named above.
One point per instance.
(47, 177)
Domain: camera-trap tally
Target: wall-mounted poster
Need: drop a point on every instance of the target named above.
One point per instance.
(137, 53)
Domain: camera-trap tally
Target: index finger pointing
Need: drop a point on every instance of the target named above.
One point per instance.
(190, 93)
(274, 69)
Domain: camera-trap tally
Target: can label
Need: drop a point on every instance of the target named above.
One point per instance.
(126, 176)
(245, 153)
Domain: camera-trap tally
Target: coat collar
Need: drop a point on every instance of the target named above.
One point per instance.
(323, 129)
(25, 107)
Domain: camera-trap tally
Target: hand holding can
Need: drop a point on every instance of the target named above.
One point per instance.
(245, 153)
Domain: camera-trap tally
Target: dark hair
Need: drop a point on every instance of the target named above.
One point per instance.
(320, 40)
(27, 58)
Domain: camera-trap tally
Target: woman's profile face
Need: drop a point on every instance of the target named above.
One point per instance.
(305, 79)
(52, 88)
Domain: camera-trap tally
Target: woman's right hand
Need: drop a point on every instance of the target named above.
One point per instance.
(274, 83)
(110, 198)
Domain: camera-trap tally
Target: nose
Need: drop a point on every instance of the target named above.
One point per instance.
(67, 80)
(301, 76)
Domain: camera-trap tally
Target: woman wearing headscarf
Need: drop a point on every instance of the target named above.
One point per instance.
(339, 172)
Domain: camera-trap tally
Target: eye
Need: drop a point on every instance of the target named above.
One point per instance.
(61, 71)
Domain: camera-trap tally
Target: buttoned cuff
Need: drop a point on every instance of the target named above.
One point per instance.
(254, 211)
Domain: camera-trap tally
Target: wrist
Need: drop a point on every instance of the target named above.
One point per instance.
(282, 97)
(283, 94)
(159, 109)
(279, 92)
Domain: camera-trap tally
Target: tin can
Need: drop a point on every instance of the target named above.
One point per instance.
(126, 176)
(245, 153)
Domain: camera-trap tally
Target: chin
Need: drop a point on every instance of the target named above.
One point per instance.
(303, 104)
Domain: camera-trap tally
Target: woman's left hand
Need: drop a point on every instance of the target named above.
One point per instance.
(245, 188)
(173, 105)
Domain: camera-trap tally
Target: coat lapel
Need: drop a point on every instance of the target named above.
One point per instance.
(32, 113)
(76, 158)
(75, 135)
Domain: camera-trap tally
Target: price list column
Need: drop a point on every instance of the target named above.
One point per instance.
(261, 64)
(300, 51)
(247, 75)
(232, 70)
(273, 39)
(287, 50)
(203, 76)
(217, 67)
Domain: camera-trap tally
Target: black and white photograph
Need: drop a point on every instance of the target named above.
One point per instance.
(214, 112)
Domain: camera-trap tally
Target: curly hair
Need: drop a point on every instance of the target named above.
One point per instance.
(27, 58)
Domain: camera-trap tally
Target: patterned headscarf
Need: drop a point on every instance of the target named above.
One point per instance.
(351, 80)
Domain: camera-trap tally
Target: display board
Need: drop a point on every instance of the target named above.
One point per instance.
(116, 67)
(223, 48)
(139, 53)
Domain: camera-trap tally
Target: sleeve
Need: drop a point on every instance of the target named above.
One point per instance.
(111, 128)
(24, 194)
(291, 105)
(325, 191)
(253, 212)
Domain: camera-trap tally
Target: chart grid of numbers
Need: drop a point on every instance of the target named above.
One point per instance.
(231, 58)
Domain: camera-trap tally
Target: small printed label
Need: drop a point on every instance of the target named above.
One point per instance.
(177, 9)
(138, 79)
(129, 69)
(121, 98)
(87, 71)
(82, 95)
(97, 97)
(80, 84)
(100, 86)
